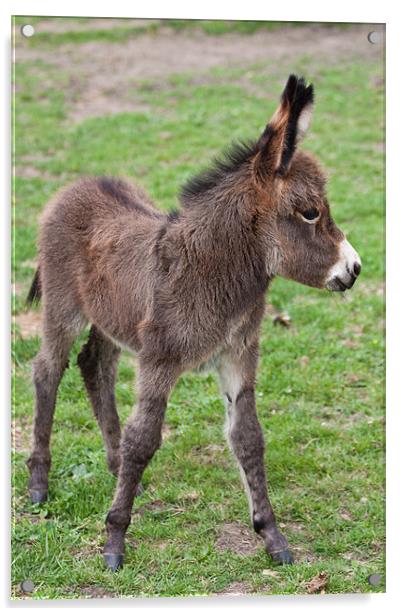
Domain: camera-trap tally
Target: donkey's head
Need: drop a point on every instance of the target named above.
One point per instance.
(311, 249)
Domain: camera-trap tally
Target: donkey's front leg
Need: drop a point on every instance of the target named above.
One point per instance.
(246, 441)
(141, 438)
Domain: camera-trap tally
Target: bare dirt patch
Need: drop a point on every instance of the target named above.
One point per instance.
(292, 527)
(158, 506)
(302, 554)
(372, 288)
(345, 514)
(237, 538)
(211, 454)
(94, 592)
(355, 332)
(65, 24)
(32, 263)
(28, 172)
(356, 558)
(29, 324)
(338, 420)
(160, 545)
(21, 433)
(86, 550)
(18, 288)
(167, 432)
(101, 76)
(30, 517)
(155, 505)
(235, 589)
(317, 584)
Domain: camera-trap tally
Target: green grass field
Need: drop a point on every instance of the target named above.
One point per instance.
(321, 381)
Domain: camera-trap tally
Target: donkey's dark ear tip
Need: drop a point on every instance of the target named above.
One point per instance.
(296, 89)
(38, 497)
(310, 93)
(297, 92)
(292, 79)
(113, 561)
(290, 87)
(282, 558)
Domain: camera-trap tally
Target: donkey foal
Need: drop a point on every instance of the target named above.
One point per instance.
(184, 291)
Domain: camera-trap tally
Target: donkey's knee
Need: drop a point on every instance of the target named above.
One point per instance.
(47, 371)
(244, 430)
(46, 378)
(142, 435)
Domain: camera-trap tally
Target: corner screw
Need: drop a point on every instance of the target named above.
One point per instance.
(27, 586)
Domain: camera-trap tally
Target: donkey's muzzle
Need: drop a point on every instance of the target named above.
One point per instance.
(344, 272)
(340, 284)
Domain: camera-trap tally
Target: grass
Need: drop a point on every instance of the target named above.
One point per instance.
(320, 384)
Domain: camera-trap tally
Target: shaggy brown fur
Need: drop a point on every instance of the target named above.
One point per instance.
(184, 291)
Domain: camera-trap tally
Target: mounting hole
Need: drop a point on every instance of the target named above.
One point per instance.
(27, 586)
(374, 37)
(27, 30)
(374, 579)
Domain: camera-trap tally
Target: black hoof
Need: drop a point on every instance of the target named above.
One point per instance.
(38, 496)
(282, 558)
(113, 561)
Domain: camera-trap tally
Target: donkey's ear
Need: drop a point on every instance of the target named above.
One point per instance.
(287, 127)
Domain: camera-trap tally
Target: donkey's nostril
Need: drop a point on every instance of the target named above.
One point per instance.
(357, 269)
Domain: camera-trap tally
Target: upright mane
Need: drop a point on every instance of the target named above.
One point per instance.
(230, 161)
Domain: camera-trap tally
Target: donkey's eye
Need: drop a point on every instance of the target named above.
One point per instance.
(311, 215)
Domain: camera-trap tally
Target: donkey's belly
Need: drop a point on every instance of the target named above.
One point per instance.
(133, 345)
(210, 365)
(233, 340)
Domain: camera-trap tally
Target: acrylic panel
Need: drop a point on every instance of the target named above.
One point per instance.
(191, 264)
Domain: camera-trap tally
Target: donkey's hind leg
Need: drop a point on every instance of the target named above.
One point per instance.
(48, 369)
(98, 364)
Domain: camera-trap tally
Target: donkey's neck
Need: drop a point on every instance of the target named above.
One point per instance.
(226, 249)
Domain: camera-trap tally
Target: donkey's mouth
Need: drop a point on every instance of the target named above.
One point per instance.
(336, 284)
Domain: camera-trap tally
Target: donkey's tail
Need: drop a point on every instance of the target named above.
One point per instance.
(35, 292)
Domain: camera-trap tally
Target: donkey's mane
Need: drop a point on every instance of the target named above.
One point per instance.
(230, 161)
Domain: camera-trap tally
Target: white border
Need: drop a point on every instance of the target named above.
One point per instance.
(368, 12)
(307, 10)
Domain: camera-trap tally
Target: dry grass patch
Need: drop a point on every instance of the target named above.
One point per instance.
(237, 538)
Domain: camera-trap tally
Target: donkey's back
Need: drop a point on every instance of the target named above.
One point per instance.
(96, 240)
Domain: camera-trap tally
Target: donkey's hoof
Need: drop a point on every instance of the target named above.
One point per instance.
(113, 561)
(38, 496)
(282, 558)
